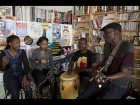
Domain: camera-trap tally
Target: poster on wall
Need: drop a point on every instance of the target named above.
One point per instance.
(34, 30)
(47, 31)
(3, 31)
(67, 33)
(11, 25)
(56, 32)
(2, 24)
(21, 28)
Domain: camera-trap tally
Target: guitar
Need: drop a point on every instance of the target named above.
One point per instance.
(99, 78)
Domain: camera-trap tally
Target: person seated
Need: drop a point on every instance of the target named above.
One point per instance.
(85, 60)
(42, 64)
(116, 75)
(15, 65)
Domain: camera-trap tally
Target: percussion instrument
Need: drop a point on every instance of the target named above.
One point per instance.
(1, 77)
(69, 85)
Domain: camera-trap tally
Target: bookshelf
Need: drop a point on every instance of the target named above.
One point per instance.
(127, 16)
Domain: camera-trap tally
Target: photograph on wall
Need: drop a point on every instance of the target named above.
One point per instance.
(11, 25)
(21, 37)
(47, 31)
(67, 33)
(136, 41)
(66, 50)
(56, 32)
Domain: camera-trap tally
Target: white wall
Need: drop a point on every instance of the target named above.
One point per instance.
(58, 8)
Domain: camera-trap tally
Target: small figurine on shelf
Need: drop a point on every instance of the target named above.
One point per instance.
(76, 36)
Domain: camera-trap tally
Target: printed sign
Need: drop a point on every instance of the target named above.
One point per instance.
(21, 28)
(10, 25)
(2, 24)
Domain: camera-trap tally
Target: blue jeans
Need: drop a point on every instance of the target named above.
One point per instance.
(84, 83)
(107, 91)
(14, 84)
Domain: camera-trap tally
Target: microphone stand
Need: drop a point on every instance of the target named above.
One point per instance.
(59, 62)
(47, 77)
(138, 29)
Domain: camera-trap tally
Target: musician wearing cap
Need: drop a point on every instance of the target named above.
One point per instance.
(84, 60)
(111, 80)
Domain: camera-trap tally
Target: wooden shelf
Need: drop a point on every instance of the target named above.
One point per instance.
(137, 68)
(102, 13)
(82, 28)
(75, 41)
(137, 47)
(128, 11)
(97, 36)
(5, 7)
(82, 15)
(97, 44)
(96, 28)
(129, 30)
(136, 59)
(81, 22)
(128, 21)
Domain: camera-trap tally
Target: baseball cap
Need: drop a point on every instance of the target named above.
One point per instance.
(113, 25)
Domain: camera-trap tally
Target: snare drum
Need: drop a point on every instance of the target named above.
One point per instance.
(1, 77)
(69, 85)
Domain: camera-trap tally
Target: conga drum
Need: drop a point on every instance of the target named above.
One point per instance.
(69, 85)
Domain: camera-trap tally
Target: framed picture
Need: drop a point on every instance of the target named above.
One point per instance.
(136, 41)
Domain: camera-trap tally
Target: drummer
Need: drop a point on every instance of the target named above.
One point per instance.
(85, 73)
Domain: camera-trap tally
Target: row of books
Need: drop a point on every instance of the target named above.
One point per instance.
(129, 25)
(97, 40)
(76, 25)
(129, 16)
(79, 35)
(96, 23)
(95, 32)
(28, 13)
(96, 9)
(80, 19)
(127, 8)
(80, 10)
(96, 49)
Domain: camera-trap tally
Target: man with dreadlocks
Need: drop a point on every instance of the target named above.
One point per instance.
(117, 73)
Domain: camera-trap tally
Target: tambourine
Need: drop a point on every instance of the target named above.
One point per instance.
(28, 40)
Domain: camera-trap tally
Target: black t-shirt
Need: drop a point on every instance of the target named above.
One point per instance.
(91, 58)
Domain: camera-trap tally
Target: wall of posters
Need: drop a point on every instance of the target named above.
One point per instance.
(54, 32)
